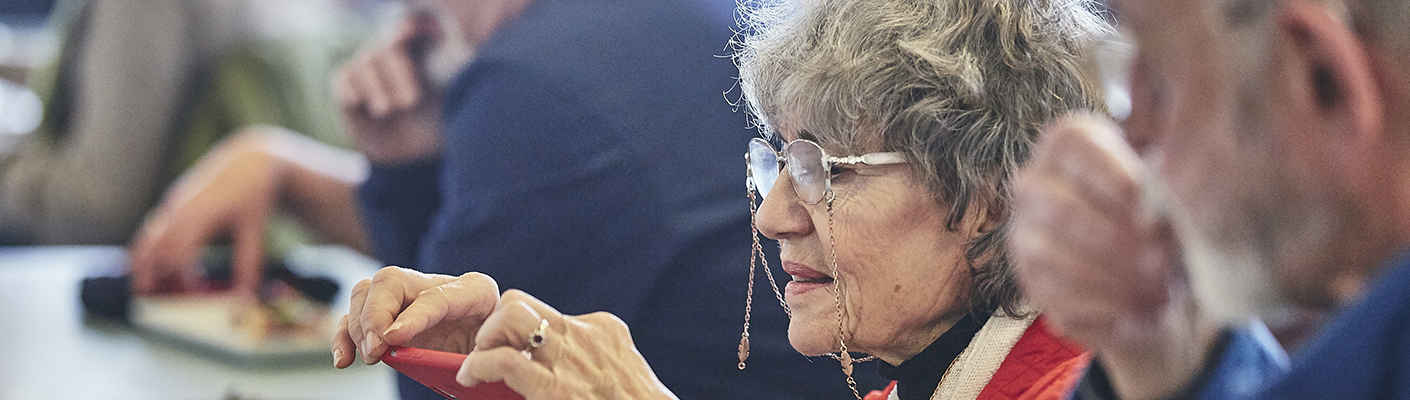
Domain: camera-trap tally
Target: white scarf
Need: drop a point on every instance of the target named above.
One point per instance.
(972, 370)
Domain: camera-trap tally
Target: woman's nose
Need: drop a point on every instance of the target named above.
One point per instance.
(782, 215)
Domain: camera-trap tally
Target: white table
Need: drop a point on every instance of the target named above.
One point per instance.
(48, 350)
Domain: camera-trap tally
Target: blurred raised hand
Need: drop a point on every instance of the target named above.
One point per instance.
(389, 100)
(1094, 250)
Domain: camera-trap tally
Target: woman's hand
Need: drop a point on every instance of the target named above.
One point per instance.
(402, 307)
(232, 191)
(581, 357)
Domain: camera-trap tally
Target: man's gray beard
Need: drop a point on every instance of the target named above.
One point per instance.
(1230, 284)
(1229, 278)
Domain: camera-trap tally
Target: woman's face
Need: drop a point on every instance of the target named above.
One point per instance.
(904, 277)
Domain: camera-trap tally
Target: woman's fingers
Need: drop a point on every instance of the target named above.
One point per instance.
(517, 317)
(141, 256)
(343, 345)
(143, 263)
(399, 305)
(165, 254)
(157, 256)
(510, 326)
(470, 298)
(543, 354)
(390, 290)
(231, 190)
(247, 262)
(531, 379)
(354, 317)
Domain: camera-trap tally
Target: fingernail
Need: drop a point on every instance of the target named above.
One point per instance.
(464, 378)
(395, 326)
(337, 357)
(368, 343)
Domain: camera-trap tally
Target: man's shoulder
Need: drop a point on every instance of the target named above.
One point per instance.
(1364, 352)
(1245, 360)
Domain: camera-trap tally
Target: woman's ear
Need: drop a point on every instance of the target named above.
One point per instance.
(985, 214)
(995, 217)
(1342, 80)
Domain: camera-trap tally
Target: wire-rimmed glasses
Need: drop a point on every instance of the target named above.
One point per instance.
(808, 164)
(811, 170)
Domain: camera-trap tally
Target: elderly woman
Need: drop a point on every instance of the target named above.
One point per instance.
(892, 129)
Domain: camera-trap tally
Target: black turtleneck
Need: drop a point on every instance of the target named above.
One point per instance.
(917, 378)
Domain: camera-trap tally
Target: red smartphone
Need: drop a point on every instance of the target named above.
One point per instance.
(436, 370)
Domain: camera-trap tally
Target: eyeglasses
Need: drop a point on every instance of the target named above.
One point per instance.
(810, 167)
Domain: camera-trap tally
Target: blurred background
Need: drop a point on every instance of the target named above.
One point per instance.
(94, 93)
(26, 42)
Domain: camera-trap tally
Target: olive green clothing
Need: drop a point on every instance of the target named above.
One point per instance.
(139, 91)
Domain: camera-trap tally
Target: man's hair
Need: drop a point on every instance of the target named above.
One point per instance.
(1386, 22)
(961, 87)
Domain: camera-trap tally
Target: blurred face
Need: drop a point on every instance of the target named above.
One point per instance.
(903, 275)
(1207, 117)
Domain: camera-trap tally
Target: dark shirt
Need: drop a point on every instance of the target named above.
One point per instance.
(917, 377)
(592, 160)
(1364, 353)
(1241, 362)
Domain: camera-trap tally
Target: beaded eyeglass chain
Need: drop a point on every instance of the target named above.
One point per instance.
(757, 254)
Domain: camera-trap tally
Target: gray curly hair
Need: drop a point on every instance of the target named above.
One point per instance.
(961, 87)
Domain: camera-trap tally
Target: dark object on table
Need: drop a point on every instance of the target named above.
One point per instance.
(111, 297)
(107, 296)
(318, 288)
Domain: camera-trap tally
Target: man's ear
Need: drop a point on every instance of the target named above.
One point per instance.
(1340, 75)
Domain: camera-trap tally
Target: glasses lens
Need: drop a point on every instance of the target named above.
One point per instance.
(763, 165)
(805, 163)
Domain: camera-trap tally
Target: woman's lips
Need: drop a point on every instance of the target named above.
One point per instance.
(804, 279)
